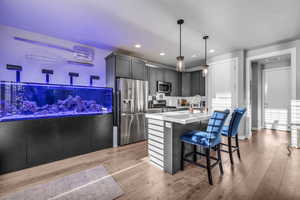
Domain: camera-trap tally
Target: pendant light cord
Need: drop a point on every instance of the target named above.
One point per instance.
(180, 40)
(205, 50)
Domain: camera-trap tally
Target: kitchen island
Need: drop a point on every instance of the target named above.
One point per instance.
(164, 131)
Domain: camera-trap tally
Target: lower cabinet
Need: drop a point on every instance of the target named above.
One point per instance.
(101, 133)
(29, 143)
(44, 141)
(75, 135)
(13, 147)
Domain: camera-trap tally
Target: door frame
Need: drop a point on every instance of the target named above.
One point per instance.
(292, 52)
(263, 90)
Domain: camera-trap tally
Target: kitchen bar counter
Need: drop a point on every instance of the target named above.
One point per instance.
(164, 131)
(181, 117)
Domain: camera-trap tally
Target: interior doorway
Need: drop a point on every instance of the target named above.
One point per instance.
(276, 98)
(271, 90)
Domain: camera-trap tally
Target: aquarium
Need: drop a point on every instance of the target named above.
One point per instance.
(22, 101)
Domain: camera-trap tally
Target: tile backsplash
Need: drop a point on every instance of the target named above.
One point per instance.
(174, 101)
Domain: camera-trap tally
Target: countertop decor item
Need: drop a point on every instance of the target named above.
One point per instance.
(22, 101)
(180, 59)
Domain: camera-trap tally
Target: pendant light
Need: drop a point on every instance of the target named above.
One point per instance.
(205, 65)
(180, 67)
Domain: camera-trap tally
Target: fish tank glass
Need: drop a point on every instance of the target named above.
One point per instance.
(24, 101)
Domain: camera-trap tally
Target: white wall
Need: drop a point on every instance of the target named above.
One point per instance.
(236, 63)
(16, 52)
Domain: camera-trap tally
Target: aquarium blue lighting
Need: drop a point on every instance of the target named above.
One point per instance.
(23, 101)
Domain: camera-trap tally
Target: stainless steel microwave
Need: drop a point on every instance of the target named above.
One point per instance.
(164, 87)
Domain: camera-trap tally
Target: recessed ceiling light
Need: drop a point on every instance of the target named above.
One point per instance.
(162, 54)
(211, 51)
(137, 46)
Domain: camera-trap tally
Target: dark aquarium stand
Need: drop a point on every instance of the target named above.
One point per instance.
(28, 143)
(42, 123)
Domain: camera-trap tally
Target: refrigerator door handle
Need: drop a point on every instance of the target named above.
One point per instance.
(118, 94)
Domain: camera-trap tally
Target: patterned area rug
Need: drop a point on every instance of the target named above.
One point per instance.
(91, 184)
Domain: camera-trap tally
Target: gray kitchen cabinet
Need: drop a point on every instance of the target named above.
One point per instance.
(186, 84)
(155, 74)
(195, 82)
(138, 69)
(198, 83)
(123, 66)
(172, 77)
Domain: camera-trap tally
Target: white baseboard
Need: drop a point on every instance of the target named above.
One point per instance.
(242, 137)
(115, 136)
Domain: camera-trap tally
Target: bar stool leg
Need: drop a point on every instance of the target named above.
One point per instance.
(195, 155)
(238, 146)
(208, 167)
(230, 149)
(182, 156)
(220, 159)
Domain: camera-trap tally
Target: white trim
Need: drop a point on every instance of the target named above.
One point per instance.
(223, 61)
(197, 68)
(277, 69)
(292, 52)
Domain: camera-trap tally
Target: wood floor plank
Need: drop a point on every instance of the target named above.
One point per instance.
(266, 171)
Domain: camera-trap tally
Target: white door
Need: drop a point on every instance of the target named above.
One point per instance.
(276, 98)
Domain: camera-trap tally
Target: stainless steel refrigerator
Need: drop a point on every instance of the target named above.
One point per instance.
(132, 104)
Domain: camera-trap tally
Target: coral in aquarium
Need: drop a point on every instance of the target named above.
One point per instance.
(26, 101)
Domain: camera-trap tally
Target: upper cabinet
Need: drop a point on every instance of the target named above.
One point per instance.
(198, 83)
(172, 77)
(138, 69)
(186, 88)
(159, 74)
(155, 74)
(193, 83)
(126, 67)
(123, 66)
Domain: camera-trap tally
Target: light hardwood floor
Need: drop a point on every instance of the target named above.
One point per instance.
(266, 171)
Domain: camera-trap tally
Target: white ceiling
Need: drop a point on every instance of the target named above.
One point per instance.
(119, 24)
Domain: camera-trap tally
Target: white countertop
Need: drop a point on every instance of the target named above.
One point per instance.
(181, 117)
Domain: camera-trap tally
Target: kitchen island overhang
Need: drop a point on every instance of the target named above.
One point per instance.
(164, 131)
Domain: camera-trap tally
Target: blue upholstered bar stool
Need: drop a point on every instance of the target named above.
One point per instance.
(209, 139)
(231, 132)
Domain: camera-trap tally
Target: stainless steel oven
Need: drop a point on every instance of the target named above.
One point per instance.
(164, 87)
